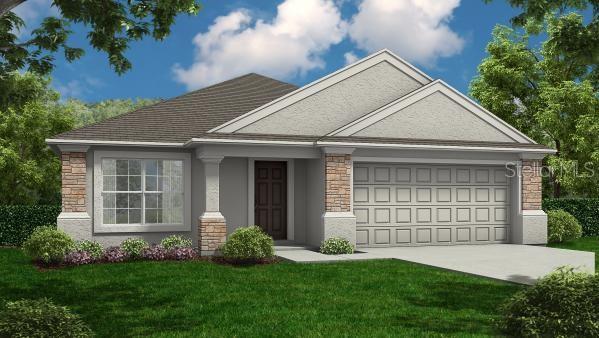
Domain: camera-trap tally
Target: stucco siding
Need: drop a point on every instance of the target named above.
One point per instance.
(338, 104)
(314, 201)
(300, 201)
(233, 192)
(435, 117)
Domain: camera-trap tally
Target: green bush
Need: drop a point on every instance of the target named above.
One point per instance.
(134, 247)
(94, 249)
(175, 241)
(561, 226)
(17, 222)
(48, 245)
(336, 246)
(585, 210)
(248, 244)
(562, 304)
(40, 318)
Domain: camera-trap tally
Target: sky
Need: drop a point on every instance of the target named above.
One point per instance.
(296, 41)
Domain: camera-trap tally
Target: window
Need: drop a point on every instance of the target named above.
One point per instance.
(142, 191)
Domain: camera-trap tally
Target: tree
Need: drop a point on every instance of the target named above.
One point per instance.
(549, 92)
(113, 26)
(88, 113)
(29, 113)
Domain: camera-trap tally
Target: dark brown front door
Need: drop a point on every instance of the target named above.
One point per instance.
(270, 197)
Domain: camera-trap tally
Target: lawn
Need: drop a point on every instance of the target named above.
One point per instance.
(371, 298)
(583, 244)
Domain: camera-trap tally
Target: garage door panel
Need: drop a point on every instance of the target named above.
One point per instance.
(430, 205)
(402, 215)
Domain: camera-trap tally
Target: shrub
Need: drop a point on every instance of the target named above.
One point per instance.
(175, 241)
(154, 253)
(94, 249)
(17, 222)
(114, 254)
(78, 257)
(585, 210)
(248, 244)
(182, 254)
(336, 246)
(133, 247)
(40, 318)
(48, 245)
(561, 226)
(562, 304)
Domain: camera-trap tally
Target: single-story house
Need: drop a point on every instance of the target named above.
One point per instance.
(377, 152)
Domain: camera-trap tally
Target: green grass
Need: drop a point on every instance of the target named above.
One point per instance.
(583, 244)
(370, 298)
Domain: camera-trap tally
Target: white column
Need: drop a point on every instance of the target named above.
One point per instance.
(211, 174)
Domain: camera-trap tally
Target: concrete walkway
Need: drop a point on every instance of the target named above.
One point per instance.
(509, 262)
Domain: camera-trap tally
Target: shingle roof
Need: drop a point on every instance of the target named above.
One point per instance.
(186, 116)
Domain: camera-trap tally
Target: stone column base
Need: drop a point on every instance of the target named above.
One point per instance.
(340, 224)
(78, 225)
(530, 228)
(212, 231)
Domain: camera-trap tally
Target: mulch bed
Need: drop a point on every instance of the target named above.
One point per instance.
(43, 267)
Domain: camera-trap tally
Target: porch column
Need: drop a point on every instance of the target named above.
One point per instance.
(338, 218)
(212, 227)
(74, 218)
(531, 225)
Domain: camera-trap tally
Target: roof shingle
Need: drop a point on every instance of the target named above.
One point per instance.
(189, 115)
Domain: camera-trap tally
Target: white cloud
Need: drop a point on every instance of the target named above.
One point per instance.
(350, 57)
(417, 30)
(77, 88)
(292, 43)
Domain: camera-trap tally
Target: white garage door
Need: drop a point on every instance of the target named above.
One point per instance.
(405, 204)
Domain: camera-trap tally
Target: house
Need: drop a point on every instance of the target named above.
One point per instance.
(377, 152)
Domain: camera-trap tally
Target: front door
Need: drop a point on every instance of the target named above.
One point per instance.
(270, 197)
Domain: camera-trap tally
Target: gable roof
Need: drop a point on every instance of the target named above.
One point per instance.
(322, 84)
(179, 119)
(437, 86)
(219, 114)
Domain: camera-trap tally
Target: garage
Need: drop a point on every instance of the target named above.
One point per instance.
(417, 204)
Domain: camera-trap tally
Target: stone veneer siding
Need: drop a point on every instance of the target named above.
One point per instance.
(73, 181)
(338, 182)
(531, 185)
(212, 235)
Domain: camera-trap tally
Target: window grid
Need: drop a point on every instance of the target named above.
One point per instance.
(158, 208)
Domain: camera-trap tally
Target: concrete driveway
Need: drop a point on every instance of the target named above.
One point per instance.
(515, 263)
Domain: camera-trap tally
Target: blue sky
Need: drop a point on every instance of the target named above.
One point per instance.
(296, 41)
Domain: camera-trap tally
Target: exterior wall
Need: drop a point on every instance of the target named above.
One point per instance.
(212, 234)
(73, 181)
(435, 117)
(531, 185)
(314, 201)
(233, 192)
(300, 201)
(81, 225)
(532, 226)
(338, 219)
(338, 182)
(338, 104)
